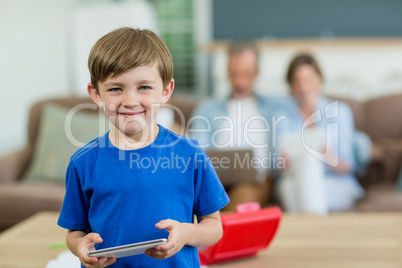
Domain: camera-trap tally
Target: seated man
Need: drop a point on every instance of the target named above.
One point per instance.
(239, 122)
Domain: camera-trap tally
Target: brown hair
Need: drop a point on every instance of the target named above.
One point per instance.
(126, 48)
(236, 48)
(299, 60)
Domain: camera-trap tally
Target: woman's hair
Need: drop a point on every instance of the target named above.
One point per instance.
(300, 60)
(124, 49)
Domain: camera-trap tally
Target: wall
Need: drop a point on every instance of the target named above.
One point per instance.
(33, 61)
(34, 58)
(42, 54)
(239, 19)
(360, 69)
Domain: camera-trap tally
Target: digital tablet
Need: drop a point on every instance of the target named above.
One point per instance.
(127, 250)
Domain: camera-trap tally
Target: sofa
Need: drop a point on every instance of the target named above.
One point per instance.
(378, 118)
(21, 197)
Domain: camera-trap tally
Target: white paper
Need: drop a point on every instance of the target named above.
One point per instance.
(65, 259)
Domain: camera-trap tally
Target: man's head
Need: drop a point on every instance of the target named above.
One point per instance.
(242, 68)
(124, 49)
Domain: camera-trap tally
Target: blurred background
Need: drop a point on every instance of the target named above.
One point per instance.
(44, 46)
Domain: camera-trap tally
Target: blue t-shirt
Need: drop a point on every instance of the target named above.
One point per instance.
(122, 194)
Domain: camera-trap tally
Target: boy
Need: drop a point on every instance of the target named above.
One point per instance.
(139, 181)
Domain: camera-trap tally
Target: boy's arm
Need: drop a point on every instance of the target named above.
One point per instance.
(81, 243)
(208, 231)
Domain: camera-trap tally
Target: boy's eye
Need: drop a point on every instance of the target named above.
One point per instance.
(115, 89)
(144, 88)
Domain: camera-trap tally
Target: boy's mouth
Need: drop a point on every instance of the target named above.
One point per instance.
(131, 114)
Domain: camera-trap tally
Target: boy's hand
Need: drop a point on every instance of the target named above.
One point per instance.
(178, 237)
(87, 244)
(286, 163)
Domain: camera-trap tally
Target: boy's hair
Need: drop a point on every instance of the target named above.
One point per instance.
(126, 48)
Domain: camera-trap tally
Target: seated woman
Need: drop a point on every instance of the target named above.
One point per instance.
(316, 140)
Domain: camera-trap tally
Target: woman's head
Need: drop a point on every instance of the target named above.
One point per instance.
(304, 78)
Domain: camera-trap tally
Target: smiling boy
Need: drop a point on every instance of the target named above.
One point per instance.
(109, 201)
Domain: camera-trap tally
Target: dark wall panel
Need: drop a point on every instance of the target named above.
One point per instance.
(246, 19)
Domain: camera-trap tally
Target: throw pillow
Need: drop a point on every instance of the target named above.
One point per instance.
(60, 135)
(398, 185)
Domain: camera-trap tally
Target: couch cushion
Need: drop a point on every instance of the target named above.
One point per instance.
(357, 109)
(398, 185)
(36, 111)
(56, 144)
(382, 117)
(23, 199)
(183, 107)
(380, 198)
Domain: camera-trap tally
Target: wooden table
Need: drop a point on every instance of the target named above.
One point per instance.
(304, 241)
(27, 244)
(337, 241)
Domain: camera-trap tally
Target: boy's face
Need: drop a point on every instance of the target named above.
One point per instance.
(131, 100)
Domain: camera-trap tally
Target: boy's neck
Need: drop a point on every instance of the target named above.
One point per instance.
(140, 140)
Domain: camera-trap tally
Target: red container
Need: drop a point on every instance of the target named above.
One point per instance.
(244, 234)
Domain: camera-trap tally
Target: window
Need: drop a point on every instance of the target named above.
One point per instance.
(176, 26)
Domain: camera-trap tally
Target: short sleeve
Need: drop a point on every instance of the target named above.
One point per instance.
(74, 213)
(210, 196)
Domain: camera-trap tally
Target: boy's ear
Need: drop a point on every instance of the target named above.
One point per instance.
(167, 92)
(94, 95)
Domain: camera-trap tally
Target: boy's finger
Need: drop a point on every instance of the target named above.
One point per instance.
(95, 237)
(88, 263)
(165, 247)
(102, 261)
(157, 254)
(110, 261)
(89, 260)
(163, 224)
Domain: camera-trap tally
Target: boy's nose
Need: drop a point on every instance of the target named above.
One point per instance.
(131, 99)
